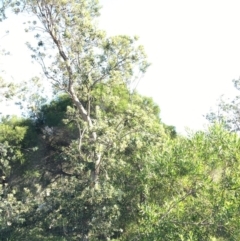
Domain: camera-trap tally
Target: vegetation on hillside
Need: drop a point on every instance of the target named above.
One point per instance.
(96, 162)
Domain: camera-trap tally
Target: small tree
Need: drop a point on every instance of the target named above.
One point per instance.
(227, 111)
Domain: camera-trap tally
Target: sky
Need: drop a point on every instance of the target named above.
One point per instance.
(193, 47)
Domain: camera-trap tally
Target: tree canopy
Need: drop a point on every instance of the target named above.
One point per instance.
(95, 161)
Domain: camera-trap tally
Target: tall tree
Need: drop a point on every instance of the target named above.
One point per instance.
(82, 55)
(94, 71)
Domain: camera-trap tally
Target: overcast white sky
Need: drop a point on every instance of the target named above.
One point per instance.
(194, 48)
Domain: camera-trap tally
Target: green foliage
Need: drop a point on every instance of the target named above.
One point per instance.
(62, 173)
(8, 90)
(171, 130)
(19, 134)
(54, 113)
(97, 163)
(200, 196)
(17, 140)
(151, 186)
(227, 112)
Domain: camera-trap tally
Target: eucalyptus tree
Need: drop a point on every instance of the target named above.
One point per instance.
(81, 56)
(91, 68)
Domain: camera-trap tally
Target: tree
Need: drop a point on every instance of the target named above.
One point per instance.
(90, 68)
(198, 198)
(84, 56)
(60, 170)
(106, 168)
(228, 112)
(17, 143)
